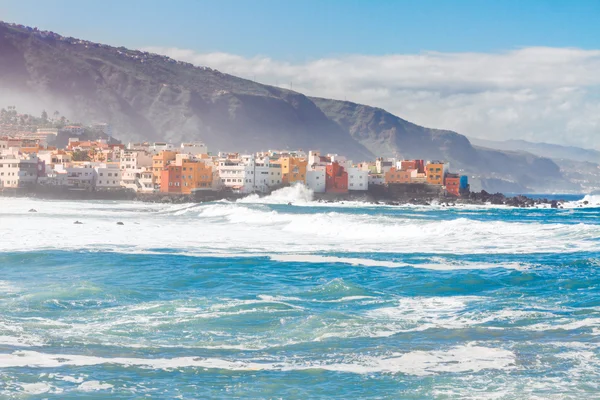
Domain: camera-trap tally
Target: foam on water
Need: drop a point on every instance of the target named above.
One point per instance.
(259, 298)
(458, 359)
(260, 229)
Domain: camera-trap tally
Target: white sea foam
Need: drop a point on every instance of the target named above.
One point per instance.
(466, 358)
(93, 386)
(234, 228)
(296, 194)
(440, 264)
(566, 325)
(588, 200)
(37, 388)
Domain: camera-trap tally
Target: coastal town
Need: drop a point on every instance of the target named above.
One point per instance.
(189, 167)
(32, 159)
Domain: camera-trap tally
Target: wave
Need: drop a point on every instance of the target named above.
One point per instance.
(466, 358)
(295, 194)
(239, 228)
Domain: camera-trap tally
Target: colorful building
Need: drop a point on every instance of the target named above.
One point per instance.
(186, 177)
(336, 179)
(452, 183)
(435, 173)
(399, 176)
(159, 162)
(171, 179)
(418, 165)
(293, 169)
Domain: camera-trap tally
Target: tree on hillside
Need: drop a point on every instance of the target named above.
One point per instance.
(44, 116)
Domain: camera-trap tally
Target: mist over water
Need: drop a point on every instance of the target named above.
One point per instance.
(262, 299)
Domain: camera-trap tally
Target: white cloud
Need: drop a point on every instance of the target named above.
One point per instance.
(537, 93)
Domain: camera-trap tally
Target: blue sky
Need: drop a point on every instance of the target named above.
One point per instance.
(310, 29)
(494, 69)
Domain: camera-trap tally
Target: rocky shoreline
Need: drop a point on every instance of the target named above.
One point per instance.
(371, 197)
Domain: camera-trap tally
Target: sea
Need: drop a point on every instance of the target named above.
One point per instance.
(283, 297)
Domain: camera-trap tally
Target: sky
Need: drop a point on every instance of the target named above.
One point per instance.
(488, 69)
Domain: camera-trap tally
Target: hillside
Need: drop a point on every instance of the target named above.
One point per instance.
(385, 134)
(151, 97)
(549, 150)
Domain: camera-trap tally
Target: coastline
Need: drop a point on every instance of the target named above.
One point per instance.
(380, 196)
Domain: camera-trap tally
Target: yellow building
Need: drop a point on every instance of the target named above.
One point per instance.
(435, 173)
(293, 169)
(160, 161)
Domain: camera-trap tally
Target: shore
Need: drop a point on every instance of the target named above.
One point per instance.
(376, 196)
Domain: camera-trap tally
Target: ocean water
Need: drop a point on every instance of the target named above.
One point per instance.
(261, 299)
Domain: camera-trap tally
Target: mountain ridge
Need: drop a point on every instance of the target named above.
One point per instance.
(152, 97)
(542, 149)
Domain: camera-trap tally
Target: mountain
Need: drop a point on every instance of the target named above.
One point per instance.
(388, 135)
(553, 151)
(152, 97)
(155, 98)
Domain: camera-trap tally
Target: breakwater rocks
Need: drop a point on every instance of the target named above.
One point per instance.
(371, 197)
(484, 197)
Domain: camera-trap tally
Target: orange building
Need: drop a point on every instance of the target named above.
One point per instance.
(170, 179)
(186, 178)
(401, 176)
(452, 183)
(293, 169)
(159, 162)
(435, 173)
(30, 150)
(336, 178)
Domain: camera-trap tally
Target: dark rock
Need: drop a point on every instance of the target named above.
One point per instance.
(120, 223)
(33, 210)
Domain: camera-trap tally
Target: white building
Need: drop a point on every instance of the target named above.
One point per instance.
(194, 148)
(157, 147)
(384, 165)
(358, 179)
(45, 135)
(18, 170)
(315, 179)
(80, 176)
(72, 130)
(237, 173)
(267, 173)
(54, 157)
(132, 164)
(108, 176)
(146, 181)
(103, 127)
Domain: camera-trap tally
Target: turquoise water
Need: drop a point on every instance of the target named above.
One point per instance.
(265, 300)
